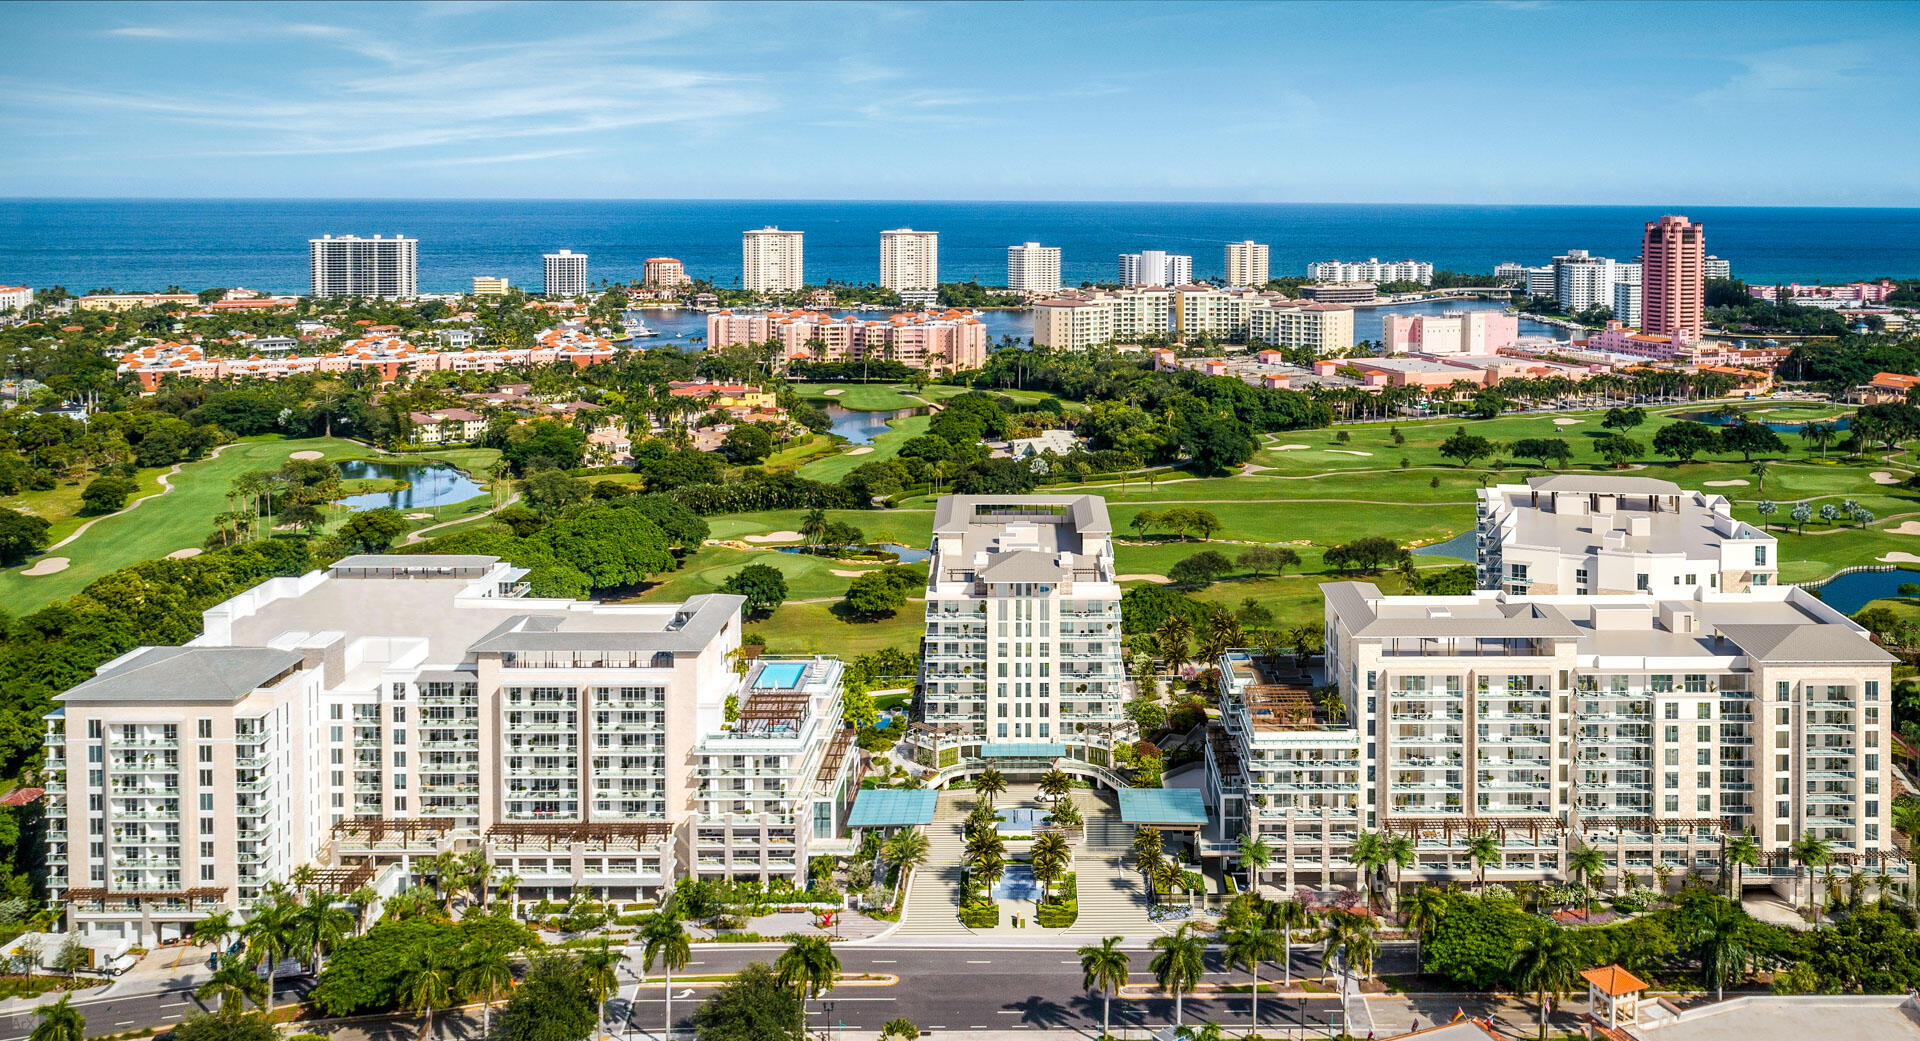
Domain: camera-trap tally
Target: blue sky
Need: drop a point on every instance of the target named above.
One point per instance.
(1515, 102)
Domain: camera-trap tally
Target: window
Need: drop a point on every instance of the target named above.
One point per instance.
(1003, 730)
(1673, 757)
(1704, 710)
(1642, 582)
(1704, 735)
(1872, 690)
(1763, 579)
(1673, 735)
(1693, 580)
(1705, 803)
(204, 728)
(1759, 556)
(1673, 780)
(1673, 804)
(1704, 757)
(1672, 709)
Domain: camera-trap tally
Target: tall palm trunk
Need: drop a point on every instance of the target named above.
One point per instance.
(669, 1030)
(1255, 1026)
(1106, 1013)
(1286, 943)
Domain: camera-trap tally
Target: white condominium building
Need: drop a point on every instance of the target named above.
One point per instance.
(1022, 657)
(393, 707)
(1074, 323)
(1132, 314)
(1541, 281)
(1646, 726)
(1581, 281)
(1713, 267)
(772, 261)
(1247, 263)
(1509, 273)
(348, 265)
(909, 260)
(1033, 268)
(1155, 267)
(1324, 327)
(1339, 272)
(566, 274)
(1590, 534)
(1627, 303)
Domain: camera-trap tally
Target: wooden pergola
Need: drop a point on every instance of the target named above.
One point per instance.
(1469, 826)
(835, 757)
(377, 829)
(343, 880)
(588, 833)
(100, 893)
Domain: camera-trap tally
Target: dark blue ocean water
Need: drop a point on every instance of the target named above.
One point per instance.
(261, 244)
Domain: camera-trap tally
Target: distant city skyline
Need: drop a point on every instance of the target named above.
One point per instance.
(1667, 106)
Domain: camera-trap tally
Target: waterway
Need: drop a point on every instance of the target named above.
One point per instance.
(907, 554)
(428, 485)
(861, 428)
(1853, 591)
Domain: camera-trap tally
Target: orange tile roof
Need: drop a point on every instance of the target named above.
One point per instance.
(1613, 981)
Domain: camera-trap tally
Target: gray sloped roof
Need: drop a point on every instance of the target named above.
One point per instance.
(220, 675)
(1025, 565)
(1788, 642)
(1605, 484)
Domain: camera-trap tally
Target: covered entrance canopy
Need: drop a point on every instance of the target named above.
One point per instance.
(892, 808)
(1017, 750)
(1163, 807)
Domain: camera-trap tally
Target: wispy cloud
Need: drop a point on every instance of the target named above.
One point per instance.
(491, 160)
(1782, 72)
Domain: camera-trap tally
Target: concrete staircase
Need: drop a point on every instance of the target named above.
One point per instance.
(932, 896)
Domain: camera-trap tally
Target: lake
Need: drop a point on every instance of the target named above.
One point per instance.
(1852, 591)
(861, 428)
(429, 485)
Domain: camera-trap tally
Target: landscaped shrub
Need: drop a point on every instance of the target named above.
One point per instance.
(983, 915)
(1057, 915)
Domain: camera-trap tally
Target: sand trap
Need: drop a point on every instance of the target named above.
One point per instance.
(1290, 448)
(308, 455)
(834, 392)
(1159, 580)
(845, 574)
(419, 516)
(1905, 528)
(182, 554)
(777, 536)
(1565, 422)
(1899, 558)
(1735, 483)
(1348, 451)
(862, 450)
(1883, 477)
(47, 566)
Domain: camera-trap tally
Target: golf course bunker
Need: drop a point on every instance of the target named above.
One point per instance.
(1735, 483)
(47, 566)
(182, 554)
(1883, 477)
(1290, 448)
(1906, 528)
(862, 450)
(1565, 422)
(777, 536)
(1898, 557)
(308, 454)
(1348, 451)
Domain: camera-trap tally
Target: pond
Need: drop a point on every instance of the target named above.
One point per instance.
(428, 485)
(1852, 591)
(1713, 420)
(861, 428)
(1460, 546)
(907, 554)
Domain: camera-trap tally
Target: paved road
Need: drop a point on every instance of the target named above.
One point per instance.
(965, 988)
(941, 987)
(113, 1014)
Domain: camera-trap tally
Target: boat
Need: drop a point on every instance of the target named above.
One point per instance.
(636, 329)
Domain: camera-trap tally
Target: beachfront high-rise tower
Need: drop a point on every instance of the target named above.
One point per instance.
(348, 265)
(772, 261)
(566, 274)
(1673, 283)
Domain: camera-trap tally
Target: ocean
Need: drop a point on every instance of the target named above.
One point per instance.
(261, 243)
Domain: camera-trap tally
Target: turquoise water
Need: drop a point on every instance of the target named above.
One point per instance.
(431, 484)
(262, 243)
(780, 675)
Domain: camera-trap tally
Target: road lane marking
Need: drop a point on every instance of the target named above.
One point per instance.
(884, 961)
(971, 962)
(1008, 1012)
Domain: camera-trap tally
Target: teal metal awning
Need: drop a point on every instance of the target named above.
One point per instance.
(1169, 807)
(1017, 750)
(892, 807)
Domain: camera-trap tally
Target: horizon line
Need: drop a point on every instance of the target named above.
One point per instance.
(1667, 208)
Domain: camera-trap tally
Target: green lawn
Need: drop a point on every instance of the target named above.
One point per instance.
(808, 577)
(908, 527)
(801, 451)
(873, 397)
(182, 518)
(813, 629)
(885, 446)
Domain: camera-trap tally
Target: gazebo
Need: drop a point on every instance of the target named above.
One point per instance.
(1621, 990)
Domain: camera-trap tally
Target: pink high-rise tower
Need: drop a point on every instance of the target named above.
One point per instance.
(1673, 283)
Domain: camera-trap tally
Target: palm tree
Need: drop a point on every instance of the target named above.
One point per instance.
(1250, 947)
(1255, 855)
(428, 985)
(813, 525)
(1766, 508)
(989, 784)
(906, 850)
(1759, 470)
(59, 1021)
(1055, 783)
(213, 930)
(1423, 911)
(809, 966)
(234, 983)
(486, 972)
(271, 934)
(1809, 851)
(320, 923)
(362, 900)
(1717, 932)
(1483, 849)
(1546, 963)
(666, 941)
(1365, 855)
(1286, 916)
(1147, 848)
(1172, 641)
(1179, 966)
(1050, 859)
(1740, 852)
(1396, 856)
(1105, 967)
(601, 968)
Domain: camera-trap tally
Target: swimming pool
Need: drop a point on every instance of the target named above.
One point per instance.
(779, 675)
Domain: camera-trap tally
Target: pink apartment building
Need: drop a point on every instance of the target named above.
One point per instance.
(1673, 278)
(389, 356)
(934, 341)
(1863, 292)
(1616, 338)
(1455, 332)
